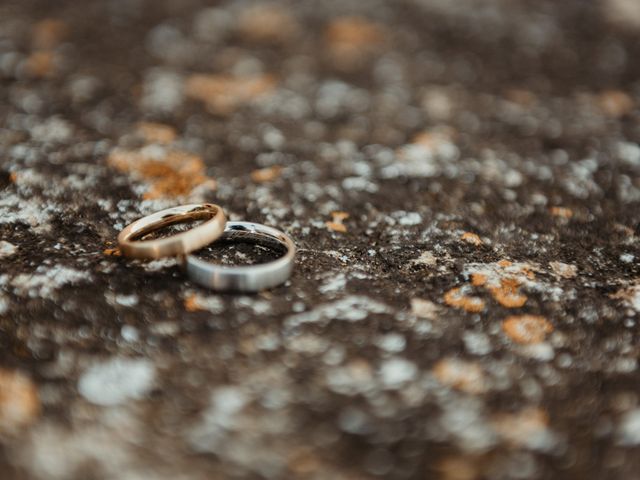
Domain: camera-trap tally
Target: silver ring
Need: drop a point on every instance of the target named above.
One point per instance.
(131, 240)
(245, 278)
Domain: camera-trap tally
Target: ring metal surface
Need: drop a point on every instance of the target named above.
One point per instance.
(132, 243)
(245, 278)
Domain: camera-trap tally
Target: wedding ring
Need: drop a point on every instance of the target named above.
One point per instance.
(133, 244)
(245, 278)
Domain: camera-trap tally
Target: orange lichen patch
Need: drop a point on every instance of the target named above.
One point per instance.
(170, 173)
(355, 31)
(507, 267)
(432, 139)
(336, 224)
(112, 252)
(423, 308)
(352, 39)
(509, 284)
(628, 231)
(562, 212)
(267, 23)
(19, 403)
(359, 370)
(525, 98)
(527, 329)
(13, 177)
(48, 33)
(615, 103)
(192, 304)
(268, 174)
(630, 295)
(223, 94)
(456, 298)
(339, 216)
(471, 238)
(156, 132)
(519, 428)
(459, 468)
(478, 279)
(505, 280)
(527, 271)
(507, 293)
(430, 142)
(40, 63)
(336, 227)
(461, 375)
(425, 139)
(303, 461)
(564, 270)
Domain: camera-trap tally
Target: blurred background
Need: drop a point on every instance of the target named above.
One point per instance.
(462, 179)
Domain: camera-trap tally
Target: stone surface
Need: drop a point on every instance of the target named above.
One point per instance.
(462, 179)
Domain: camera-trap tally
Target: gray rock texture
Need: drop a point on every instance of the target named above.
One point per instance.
(462, 179)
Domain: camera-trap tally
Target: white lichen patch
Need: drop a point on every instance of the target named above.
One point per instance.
(396, 372)
(425, 258)
(122, 300)
(307, 343)
(630, 295)
(56, 452)
(4, 304)
(495, 272)
(194, 301)
(564, 270)
(46, 280)
(424, 308)
(542, 351)
(351, 379)
(391, 342)
(352, 309)
(623, 365)
(335, 283)
(160, 264)
(629, 428)
(130, 333)
(258, 307)
(116, 380)
(162, 91)
(627, 258)
(465, 421)
(53, 130)
(635, 299)
(221, 416)
(477, 343)
(426, 156)
(33, 212)
(7, 249)
(354, 420)
(407, 219)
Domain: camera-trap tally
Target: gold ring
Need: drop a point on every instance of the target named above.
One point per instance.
(133, 244)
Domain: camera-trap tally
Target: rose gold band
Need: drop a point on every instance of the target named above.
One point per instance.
(133, 244)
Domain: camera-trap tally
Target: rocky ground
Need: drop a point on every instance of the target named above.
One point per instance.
(462, 179)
